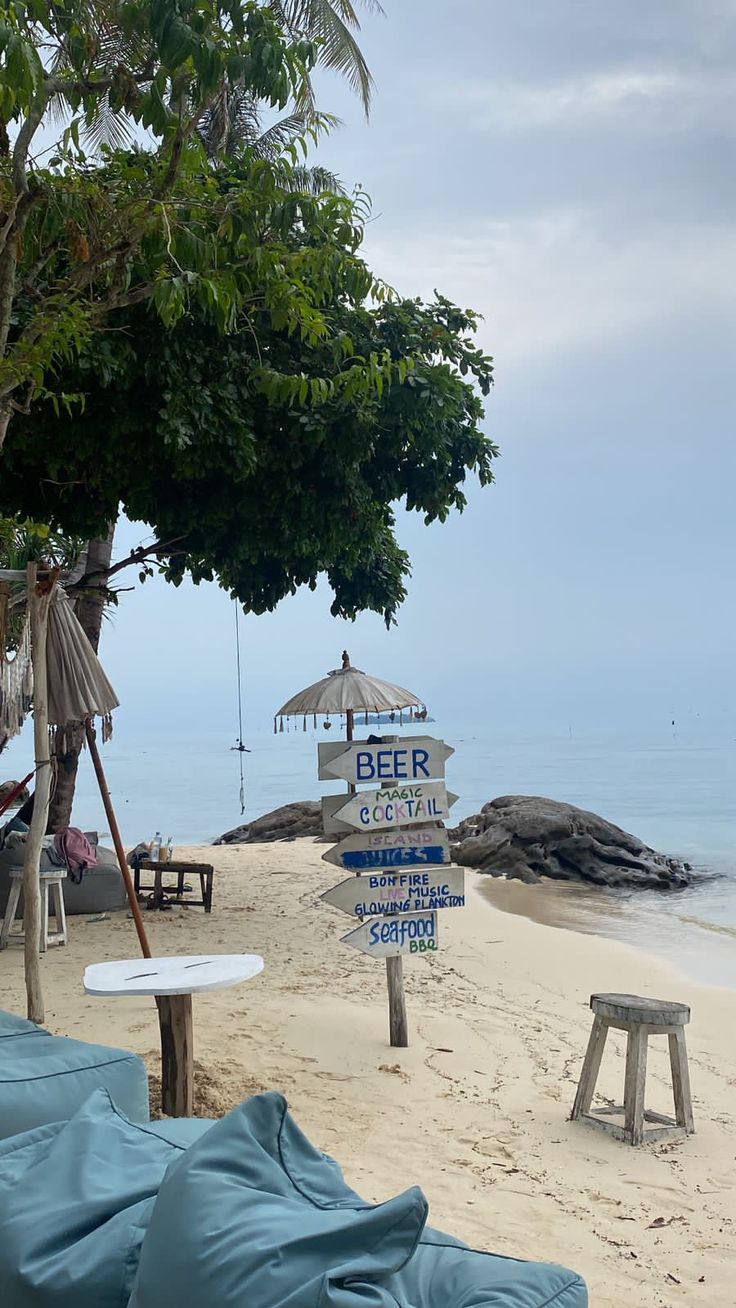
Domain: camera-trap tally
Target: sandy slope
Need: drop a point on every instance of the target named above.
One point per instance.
(476, 1110)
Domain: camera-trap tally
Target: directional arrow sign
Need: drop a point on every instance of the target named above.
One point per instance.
(399, 892)
(412, 847)
(403, 933)
(414, 758)
(395, 806)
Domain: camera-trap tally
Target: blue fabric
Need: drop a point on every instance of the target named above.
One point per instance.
(46, 1078)
(260, 1237)
(271, 1223)
(181, 1131)
(75, 1199)
(444, 1273)
(10, 1026)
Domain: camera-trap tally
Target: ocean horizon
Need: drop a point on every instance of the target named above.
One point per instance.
(674, 788)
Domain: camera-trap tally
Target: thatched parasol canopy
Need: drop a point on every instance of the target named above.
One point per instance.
(347, 690)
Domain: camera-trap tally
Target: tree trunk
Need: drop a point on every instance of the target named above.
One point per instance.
(89, 610)
(38, 605)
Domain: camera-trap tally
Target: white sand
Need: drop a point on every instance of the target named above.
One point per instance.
(475, 1111)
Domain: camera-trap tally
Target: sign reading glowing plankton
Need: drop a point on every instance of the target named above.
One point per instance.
(397, 806)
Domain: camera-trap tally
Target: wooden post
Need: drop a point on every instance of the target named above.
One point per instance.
(177, 1059)
(116, 839)
(397, 1024)
(38, 608)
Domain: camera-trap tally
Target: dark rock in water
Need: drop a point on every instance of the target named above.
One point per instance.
(527, 838)
(303, 818)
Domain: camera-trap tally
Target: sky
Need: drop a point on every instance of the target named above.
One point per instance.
(566, 169)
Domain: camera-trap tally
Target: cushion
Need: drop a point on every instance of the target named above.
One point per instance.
(46, 1078)
(75, 1198)
(269, 1224)
(444, 1273)
(181, 1131)
(10, 1026)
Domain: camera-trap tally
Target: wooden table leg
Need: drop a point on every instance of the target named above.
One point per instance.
(177, 1054)
(158, 889)
(205, 883)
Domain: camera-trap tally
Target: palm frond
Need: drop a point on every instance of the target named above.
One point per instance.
(272, 143)
(108, 127)
(314, 181)
(329, 22)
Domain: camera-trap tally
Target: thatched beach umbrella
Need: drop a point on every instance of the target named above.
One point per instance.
(345, 692)
(78, 686)
(69, 687)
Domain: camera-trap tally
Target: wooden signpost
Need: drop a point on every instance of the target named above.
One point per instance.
(399, 826)
(399, 892)
(389, 937)
(412, 847)
(412, 758)
(395, 805)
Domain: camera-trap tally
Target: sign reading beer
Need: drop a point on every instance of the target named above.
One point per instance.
(410, 759)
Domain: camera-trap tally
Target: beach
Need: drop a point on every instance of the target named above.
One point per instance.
(476, 1109)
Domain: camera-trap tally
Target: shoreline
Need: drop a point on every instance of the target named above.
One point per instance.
(662, 925)
(476, 1109)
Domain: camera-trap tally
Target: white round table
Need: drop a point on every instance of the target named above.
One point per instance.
(173, 981)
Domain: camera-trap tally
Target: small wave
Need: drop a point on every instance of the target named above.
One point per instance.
(721, 928)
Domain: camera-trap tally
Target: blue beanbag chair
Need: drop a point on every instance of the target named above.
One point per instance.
(46, 1078)
(75, 1199)
(270, 1223)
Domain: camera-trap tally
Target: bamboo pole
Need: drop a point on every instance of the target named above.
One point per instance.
(38, 607)
(116, 838)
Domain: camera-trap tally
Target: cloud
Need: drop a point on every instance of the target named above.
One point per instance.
(668, 96)
(553, 282)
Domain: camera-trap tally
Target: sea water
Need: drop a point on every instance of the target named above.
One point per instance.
(674, 787)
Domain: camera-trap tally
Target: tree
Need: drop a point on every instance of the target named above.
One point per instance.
(72, 235)
(264, 460)
(234, 120)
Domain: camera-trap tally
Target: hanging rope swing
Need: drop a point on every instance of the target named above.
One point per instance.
(240, 747)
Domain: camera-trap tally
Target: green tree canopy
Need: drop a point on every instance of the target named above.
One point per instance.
(79, 242)
(278, 451)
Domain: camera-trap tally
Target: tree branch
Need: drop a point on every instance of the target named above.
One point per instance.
(136, 556)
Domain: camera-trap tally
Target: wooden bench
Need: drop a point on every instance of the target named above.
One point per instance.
(640, 1018)
(160, 894)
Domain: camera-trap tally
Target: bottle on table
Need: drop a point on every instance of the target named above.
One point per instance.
(170, 850)
(156, 847)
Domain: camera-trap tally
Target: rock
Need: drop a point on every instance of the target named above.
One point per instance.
(302, 818)
(527, 837)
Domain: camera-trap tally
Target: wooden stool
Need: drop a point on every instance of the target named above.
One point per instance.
(50, 881)
(640, 1018)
